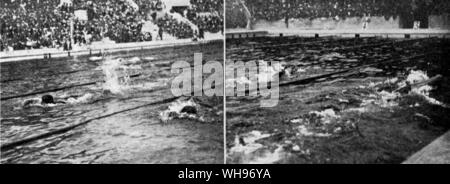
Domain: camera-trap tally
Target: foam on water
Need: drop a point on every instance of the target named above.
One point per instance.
(424, 91)
(388, 99)
(134, 60)
(149, 58)
(416, 77)
(331, 56)
(253, 152)
(83, 99)
(250, 144)
(301, 70)
(95, 58)
(303, 131)
(326, 116)
(269, 157)
(247, 149)
(266, 74)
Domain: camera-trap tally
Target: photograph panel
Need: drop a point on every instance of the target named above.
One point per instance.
(352, 81)
(94, 82)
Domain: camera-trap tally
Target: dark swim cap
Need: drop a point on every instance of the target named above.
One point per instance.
(189, 109)
(48, 99)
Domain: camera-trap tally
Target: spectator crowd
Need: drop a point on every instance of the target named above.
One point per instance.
(275, 10)
(206, 14)
(53, 24)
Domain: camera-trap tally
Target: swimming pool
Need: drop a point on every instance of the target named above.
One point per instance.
(109, 112)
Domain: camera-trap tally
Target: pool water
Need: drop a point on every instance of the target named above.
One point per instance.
(108, 111)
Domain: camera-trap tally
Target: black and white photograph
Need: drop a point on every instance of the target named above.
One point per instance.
(357, 81)
(89, 82)
(186, 82)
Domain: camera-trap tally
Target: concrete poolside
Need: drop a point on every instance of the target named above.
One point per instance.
(437, 152)
(391, 33)
(98, 47)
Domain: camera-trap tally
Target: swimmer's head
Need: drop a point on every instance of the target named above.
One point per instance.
(47, 99)
(107, 92)
(189, 110)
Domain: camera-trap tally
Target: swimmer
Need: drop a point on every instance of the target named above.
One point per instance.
(46, 100)
(49, 100)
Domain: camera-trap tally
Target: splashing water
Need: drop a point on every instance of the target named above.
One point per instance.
(327, 115)
(416, 77)
(119, 72)
(113, 68)
(249, 139)
(304, 131)
(82, 99)
(269, 157)
(95, 58)
(388, 99)
(255, 153)
(109, 68)
(424, 91)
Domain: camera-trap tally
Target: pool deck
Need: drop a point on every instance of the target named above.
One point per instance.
(390, 33)
(95, 49)
(437, 152)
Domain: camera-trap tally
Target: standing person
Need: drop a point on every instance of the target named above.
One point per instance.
(65, 46)
(160, 33)
(366, 21)
(286, 20)
(201, 33)
(195, 36)
(416, 24)
(286, 6)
